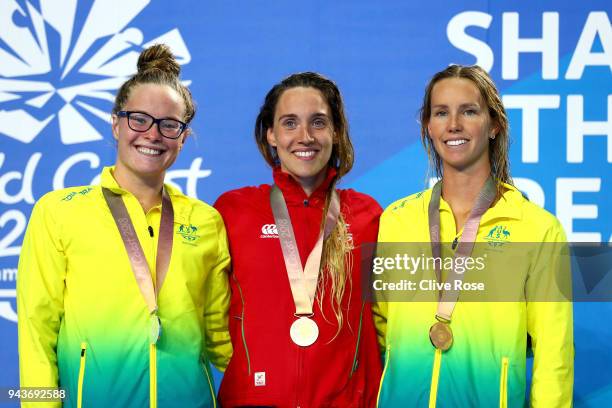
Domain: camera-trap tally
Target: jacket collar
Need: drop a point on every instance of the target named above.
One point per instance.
(292, 190)
(508, 206)
(182, 213)
(107, 180)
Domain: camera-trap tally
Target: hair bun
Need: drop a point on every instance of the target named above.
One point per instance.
(158, 57)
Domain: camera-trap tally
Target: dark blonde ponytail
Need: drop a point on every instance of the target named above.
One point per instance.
(157, 65)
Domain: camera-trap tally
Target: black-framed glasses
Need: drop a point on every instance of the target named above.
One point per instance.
(141, 122)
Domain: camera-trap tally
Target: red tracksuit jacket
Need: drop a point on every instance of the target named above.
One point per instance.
(267, 368)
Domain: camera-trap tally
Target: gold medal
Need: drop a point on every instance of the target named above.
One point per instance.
(304, 331)
(441, 336)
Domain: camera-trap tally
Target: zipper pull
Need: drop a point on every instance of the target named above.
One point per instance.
(454, 246)
(150, 228)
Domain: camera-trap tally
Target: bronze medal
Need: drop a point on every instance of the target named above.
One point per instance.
(441, 336)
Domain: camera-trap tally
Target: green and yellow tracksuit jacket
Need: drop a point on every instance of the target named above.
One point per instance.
(486, 366)
(83, 323)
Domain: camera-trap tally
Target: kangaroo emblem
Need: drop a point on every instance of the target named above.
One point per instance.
(498, 236)
(490, 234)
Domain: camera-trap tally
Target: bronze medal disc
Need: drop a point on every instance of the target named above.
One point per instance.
(441, 336)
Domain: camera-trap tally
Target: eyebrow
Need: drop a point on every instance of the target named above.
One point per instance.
(314, 115)
(288, 115)
(165, 117)
(463, 105)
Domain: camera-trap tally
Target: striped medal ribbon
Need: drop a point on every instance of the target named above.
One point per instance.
(140, 268)
(440, 333)
(304, 331)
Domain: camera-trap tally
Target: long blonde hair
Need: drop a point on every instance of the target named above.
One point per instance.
(337, 255)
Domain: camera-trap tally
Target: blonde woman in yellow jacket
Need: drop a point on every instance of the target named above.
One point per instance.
(112, 325)
(474, 354)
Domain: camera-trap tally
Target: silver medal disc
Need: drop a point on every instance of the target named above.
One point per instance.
(304, 332)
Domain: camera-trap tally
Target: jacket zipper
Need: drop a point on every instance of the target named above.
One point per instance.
(503, 384)
(246, 349)
(299, 377)
(435, 377)
(153, 375)
(152, 347)
(210, 384)
(355, 360)
(81, 375)
(382, 378)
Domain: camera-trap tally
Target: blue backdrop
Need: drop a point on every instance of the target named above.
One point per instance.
(61, 62)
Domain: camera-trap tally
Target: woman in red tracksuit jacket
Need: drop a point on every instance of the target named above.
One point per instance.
(302, 133)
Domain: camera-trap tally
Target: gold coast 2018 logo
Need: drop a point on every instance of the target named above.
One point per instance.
(61, 62)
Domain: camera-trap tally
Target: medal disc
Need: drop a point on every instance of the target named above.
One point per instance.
(155, 328)
(441, 336)
(304, 331)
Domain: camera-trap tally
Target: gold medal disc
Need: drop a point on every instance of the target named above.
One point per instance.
(441, 336)
(304, 331)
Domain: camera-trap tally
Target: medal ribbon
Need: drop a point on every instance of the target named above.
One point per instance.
(140, 268)
(448, 299)
(303, 282)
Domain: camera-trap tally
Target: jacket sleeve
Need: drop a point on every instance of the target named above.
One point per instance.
(379, 308)
(217, 301)
(550, 323)
(40, 299)
(379, 313)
